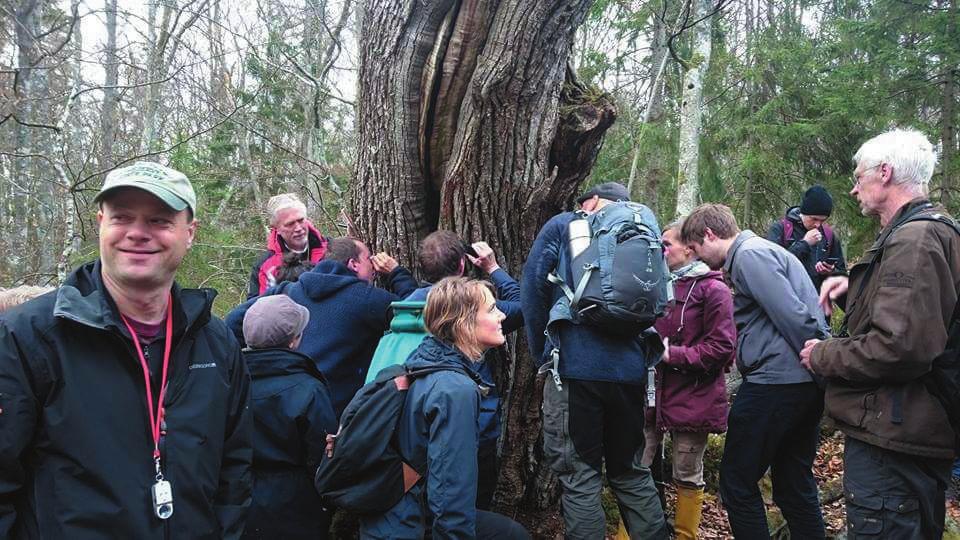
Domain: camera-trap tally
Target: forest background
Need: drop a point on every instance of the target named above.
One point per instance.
(744, 102)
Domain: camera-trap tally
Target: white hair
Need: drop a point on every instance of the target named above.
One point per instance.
(907, 151)
(282, 202)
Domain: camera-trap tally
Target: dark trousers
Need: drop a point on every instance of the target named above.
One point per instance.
(589, 426)
(773, 426)
(893, 495)
(495, 526)
(487, 469)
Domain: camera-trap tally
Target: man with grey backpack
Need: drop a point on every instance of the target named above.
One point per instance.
(593, 284)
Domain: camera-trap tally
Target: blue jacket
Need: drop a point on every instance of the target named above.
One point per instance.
(438, 435)
(586, 352)
(508, 299)
(508, 294)
(292, 415)
(347, 318)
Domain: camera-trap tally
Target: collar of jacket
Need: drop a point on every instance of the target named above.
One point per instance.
(279, 361)
(793, 214)
(912, 207)
(744, 235)
(84, 299)
(432, 351)
(694, 269)
(276, 244)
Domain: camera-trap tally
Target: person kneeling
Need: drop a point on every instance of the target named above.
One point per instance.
(438, 430)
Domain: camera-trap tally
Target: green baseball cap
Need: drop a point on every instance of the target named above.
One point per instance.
(169, 185)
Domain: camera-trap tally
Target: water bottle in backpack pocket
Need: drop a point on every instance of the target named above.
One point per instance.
(619, 280)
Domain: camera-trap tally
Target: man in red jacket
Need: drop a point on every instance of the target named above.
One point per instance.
(290, 231)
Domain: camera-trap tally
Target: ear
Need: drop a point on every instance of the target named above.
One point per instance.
(99, 217)
(709, 235)
(191, 232)
(886, 173)
(462, 267)
(352, 264)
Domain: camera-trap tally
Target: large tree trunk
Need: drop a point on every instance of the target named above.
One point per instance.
(469, 120)
(691, 111)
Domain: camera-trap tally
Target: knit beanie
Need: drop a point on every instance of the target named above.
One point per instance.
(816, 202)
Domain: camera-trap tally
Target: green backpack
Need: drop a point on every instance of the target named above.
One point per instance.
(406, 333)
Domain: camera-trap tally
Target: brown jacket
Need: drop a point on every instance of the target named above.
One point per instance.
(897, 326)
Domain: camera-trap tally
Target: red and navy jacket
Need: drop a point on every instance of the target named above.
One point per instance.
(264, 274)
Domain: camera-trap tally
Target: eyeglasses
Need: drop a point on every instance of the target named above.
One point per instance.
(857, 180)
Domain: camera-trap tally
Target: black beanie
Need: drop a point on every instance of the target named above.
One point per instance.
(816, 202)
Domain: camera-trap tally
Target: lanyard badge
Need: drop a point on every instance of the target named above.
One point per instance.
(161, 492)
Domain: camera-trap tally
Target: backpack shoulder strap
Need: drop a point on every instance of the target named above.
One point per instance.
(828, 234)
(918, 214)
(787, 236)
(417, 373)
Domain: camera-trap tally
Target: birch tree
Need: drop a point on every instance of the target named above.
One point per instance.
(691, 110)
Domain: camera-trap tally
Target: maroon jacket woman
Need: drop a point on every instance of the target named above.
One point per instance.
(691, 391)
(691, 394)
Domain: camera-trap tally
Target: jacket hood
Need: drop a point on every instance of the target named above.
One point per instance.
(274, 362)
(432, 352)
(83, 298)
(693, 270)
(709, 274)
(327, 278)
(793, 214)
(276, 244)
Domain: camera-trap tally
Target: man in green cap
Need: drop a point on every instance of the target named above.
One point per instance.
(123, 402)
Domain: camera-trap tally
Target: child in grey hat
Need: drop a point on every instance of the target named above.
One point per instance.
(292, 416)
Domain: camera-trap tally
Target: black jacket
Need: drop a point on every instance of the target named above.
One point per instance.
(808, 255)
(292, 415)
(75, 444)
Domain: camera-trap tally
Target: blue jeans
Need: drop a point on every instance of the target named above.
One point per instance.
(773, 426)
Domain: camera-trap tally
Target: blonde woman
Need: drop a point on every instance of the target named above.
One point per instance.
(438, 427)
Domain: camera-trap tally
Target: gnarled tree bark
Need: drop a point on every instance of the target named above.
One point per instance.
(470, 120)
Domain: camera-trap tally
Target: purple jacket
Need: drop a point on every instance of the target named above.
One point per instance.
(691, 391)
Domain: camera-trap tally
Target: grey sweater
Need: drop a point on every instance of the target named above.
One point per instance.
(776, 310)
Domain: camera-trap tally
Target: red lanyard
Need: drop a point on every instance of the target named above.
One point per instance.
(156, 420)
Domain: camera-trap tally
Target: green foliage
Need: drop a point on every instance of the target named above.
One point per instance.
(788, 105)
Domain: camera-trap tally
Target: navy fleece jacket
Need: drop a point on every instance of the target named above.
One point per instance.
(586, 352)
(348, 316)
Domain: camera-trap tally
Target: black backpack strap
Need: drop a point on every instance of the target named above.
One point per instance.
(421, 372)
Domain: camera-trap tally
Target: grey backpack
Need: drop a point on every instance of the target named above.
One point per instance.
(619, 276)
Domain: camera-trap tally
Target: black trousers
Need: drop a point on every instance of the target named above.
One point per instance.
(893, 495)
(773, 426)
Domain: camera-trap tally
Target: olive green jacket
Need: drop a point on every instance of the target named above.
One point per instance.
(897, 326)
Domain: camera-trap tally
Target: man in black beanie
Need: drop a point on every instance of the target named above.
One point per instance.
(804, 232)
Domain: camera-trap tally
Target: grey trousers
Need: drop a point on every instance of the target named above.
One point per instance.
(893, 495)
(587, 425)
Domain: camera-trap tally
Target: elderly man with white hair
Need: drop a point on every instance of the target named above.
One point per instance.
(290, 231)
(899, 301)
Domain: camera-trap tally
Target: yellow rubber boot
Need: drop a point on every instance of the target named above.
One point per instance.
(689, 507)
(622, 532)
